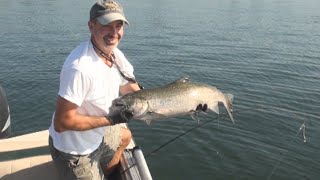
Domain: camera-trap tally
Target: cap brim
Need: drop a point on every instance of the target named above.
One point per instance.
(110, 17)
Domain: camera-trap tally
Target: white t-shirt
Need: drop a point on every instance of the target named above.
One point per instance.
(88, 82)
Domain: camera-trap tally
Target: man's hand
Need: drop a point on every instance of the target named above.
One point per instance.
(201, 107)
(119, 117)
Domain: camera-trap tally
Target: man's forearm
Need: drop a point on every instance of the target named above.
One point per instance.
(79, 123)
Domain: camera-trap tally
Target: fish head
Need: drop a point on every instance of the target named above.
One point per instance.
(134, 106)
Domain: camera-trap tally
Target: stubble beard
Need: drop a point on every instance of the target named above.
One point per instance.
(111, 40)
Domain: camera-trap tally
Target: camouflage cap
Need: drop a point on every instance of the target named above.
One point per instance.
(107, 11)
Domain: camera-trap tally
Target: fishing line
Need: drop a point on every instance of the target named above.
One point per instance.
(193, 128)
(182, 134)
(170, 141)
(303, 126)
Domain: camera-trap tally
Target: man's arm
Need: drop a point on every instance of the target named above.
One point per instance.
(67, 118)
(129, 87)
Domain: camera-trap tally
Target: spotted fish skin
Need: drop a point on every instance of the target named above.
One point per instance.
(180, 97)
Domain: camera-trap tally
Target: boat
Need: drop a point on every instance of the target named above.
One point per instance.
(27, 156)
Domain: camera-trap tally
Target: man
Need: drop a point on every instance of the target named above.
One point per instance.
(85, 141)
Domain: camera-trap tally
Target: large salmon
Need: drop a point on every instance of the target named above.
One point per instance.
(180, 97)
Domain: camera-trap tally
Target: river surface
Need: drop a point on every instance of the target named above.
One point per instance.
(265, 52)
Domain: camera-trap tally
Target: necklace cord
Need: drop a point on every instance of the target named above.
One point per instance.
(112, 60)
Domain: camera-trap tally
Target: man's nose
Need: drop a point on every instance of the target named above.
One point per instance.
(113, 30)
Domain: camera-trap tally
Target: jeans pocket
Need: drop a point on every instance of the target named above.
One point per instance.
(83, 171)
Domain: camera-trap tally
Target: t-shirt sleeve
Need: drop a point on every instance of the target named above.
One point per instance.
(72, 85)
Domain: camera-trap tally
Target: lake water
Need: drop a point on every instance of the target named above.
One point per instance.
(265, 52)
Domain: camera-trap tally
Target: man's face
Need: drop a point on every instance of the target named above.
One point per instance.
(106, 36)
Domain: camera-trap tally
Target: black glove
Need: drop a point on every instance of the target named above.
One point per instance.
(119, 117)
(201, 107)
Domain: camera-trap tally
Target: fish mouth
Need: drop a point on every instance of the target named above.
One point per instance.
(120, 107)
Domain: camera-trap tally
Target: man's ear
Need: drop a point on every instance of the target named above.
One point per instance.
(90, 25)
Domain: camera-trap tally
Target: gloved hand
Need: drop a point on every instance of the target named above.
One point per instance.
(119, 117)
(201, 107)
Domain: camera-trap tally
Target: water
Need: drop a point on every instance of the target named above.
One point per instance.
(264, 52)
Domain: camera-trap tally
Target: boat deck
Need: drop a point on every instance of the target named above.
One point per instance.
(28, 157)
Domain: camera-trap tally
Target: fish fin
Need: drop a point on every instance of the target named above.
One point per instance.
(148, 117)
(157, 115)
(229, 98)
(228, 105)
(185, 78)
(214, 108)
(148, 121)
(194, 115)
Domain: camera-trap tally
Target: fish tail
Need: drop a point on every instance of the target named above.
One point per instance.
(228, 105)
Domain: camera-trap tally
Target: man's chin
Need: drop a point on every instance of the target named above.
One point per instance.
(111, 43)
